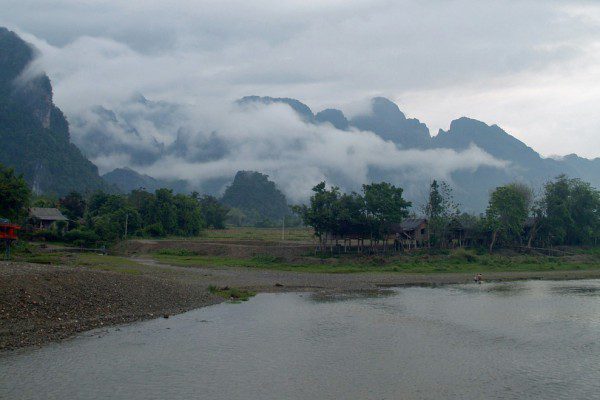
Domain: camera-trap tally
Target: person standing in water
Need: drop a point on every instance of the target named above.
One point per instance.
(478, 278)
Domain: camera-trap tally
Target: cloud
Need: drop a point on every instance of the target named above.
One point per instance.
(214, 142)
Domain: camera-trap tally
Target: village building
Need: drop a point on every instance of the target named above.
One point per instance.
(411, 233)
(45, 218)
(462, 233)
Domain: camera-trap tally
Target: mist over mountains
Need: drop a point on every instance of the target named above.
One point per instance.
(144, 143)
(408, 137)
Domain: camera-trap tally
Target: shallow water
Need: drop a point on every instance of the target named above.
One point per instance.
(534, 340)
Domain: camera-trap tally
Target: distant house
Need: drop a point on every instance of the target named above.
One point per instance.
(462, 232)
(45, 218)
(411, 232)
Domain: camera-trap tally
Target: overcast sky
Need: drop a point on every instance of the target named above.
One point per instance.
(532, 67)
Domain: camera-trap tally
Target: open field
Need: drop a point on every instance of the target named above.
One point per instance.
(260, 234)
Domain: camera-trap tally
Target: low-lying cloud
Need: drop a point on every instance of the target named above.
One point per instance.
(212, 143)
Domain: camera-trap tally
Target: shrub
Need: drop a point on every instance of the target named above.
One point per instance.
(81, 237)
(45, 235)
(463, 255)
(154, 230)
(177, 252)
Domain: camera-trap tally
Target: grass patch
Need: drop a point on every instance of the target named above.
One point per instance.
(233, 294)
(459, 261)
(108, 263)
(43, 258)
(128, 271)
(262, 234)
(176, 252)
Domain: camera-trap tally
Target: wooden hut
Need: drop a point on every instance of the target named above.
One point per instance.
(45, 218)
(411, 233)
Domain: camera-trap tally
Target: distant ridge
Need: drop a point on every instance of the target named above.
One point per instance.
(126, 180)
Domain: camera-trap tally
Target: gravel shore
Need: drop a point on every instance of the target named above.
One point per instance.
(44, 303)
(41, 303)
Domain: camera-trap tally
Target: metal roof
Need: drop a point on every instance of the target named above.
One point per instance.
(47, 214)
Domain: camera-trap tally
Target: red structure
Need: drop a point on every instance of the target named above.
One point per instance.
(8, 231)
(8, 234)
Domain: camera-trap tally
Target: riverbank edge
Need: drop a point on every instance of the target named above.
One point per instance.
(36, 330)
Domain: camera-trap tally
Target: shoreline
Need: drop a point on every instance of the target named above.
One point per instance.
(40, 304)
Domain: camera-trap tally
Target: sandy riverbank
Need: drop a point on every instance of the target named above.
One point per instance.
(44, 303)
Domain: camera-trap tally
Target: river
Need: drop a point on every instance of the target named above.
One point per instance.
(522, 340)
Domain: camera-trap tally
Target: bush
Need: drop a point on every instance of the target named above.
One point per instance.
(463, 255)
(176, 252)
(154, 230)
(82, 237)
(45, 235)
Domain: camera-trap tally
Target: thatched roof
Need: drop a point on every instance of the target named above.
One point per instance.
(410, 224)
(47, 214)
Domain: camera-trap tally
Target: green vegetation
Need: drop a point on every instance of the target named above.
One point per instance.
(454, 261)
(233, 294)
(14, 195)
(506, 214)
(36, 255)
(108, 263)
(441, 212)
(260, 234)
(105, 218)
(567, 213)
(331, 212)
(255, 200)
(34, 132)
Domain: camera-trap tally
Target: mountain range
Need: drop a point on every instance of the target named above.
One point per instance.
(471, 187)
(36, 140)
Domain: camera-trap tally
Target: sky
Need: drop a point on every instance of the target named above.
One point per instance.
(532, 67)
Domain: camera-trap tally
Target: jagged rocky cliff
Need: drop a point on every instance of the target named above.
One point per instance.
(34, 133)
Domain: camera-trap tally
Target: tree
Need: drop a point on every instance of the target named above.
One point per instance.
(14, 194)
(508, 209)
(440, 211)
(384, 205)
(213, 212)
(164, 210)
(321, 212)
(73, 205)
(571, 211)
(189, 215)
(236, 217)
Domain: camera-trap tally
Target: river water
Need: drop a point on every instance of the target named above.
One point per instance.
(525, 340)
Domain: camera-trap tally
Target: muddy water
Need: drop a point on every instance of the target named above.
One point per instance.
(534, 340)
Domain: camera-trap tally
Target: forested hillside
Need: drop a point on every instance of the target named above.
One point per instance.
(256, 197)
(34, 133)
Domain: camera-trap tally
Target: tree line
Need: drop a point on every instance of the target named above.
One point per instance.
(566, 213)
(104, 217)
